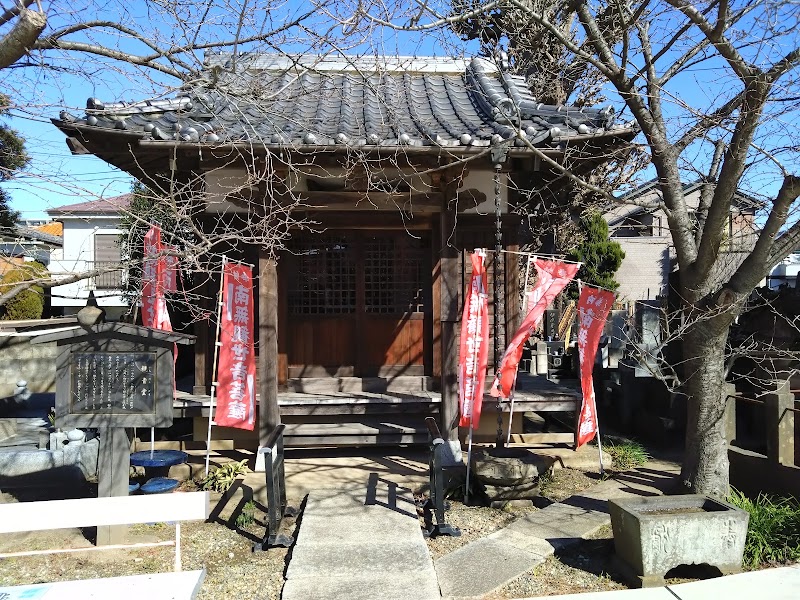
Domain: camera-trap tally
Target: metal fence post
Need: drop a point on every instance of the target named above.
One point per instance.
(276, 492)
(436, 504)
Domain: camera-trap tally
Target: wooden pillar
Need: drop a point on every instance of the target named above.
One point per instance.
(450, 287)
(269, 411)
(113, 470)
(204, 345)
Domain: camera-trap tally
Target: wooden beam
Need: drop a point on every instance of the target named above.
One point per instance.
(204, 342)
(449, 292)
(269, 412)
(355, 200)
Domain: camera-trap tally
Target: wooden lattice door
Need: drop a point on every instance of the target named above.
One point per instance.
(358, 304)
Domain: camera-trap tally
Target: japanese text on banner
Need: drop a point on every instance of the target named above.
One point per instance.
(237, 368)
(474, 350)
(593, 308)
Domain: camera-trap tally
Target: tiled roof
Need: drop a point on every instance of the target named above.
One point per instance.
(38, 235)
(309, 101)
(111, 206)
(55, 228)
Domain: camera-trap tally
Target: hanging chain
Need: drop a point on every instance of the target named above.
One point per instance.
(498, 293)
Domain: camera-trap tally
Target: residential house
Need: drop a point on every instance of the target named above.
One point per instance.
(643, 232)
(25, 244)
(91, 242)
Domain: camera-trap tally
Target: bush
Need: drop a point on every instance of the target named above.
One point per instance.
(247, 517)
(222, 478)
(773, 534)
(626, 454)
(29, 303)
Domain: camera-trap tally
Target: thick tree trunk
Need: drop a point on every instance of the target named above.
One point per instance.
(705, 464)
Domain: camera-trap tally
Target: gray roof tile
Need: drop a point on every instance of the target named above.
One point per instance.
(312, 101)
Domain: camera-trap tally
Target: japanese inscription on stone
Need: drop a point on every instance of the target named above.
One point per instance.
(113, 382)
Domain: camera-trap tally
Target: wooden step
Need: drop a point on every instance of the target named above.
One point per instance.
(368, 431)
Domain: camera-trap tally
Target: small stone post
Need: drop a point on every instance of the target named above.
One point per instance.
(778, 405)
(112, 473)
(729, 416)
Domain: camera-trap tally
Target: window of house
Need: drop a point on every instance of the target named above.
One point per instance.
(107, 259)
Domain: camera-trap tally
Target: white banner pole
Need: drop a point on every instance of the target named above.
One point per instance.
(214, 382)
(469, 461)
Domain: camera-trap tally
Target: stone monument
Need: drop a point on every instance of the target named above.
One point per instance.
(113, 376)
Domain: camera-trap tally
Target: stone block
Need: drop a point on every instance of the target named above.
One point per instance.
(8, 428)
(499, 562)
(522, 491)
(58, 439)
(89, 452)
(653, 535)
(23, 462)
(521, 541)
(509, 466)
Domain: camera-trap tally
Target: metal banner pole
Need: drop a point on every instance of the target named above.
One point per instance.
(516, 372)
(214, 382)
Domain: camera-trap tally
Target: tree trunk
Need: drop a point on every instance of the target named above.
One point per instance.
(705, 464)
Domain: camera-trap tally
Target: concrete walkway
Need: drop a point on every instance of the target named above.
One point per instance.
(360, 543)
(504, 555)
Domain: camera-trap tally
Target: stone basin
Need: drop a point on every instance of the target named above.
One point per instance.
(656, 534)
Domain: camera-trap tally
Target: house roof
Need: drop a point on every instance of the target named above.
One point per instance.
(55, 228)
(621, 211)
(309, 101)
(37, 235)
(101, 206)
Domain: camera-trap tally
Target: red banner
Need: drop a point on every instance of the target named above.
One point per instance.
(473, 357)
(236, 390)
(552, 277)
(593, 308)
(154, 304)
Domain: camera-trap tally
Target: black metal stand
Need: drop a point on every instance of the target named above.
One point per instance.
(276, 492)
(435, 505)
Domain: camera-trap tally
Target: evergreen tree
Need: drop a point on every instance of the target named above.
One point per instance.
(12, 158)
(148, 208)
(600, 255)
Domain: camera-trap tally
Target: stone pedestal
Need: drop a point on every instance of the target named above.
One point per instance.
(654, 535)
(510, 473)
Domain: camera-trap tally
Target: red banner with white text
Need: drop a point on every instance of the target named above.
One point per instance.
(473, 356)
(593, 308)
(552, 277)
(236, 375)
(154, 303)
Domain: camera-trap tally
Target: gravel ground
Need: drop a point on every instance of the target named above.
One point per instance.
(234, 571)
(563, 483)
(474, 522)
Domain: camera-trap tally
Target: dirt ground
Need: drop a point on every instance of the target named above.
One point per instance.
(234, 570)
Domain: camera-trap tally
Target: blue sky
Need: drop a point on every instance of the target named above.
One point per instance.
(56, 178)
